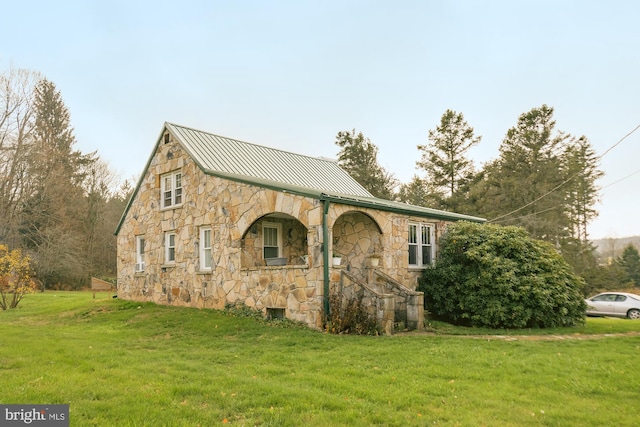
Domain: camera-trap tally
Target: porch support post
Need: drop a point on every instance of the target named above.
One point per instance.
(325, 256)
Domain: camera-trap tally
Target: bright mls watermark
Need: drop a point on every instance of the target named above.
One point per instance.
(34, 415)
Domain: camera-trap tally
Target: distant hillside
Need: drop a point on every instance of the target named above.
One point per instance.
(611, 247)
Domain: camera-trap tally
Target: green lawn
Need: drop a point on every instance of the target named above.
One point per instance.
(119, 363)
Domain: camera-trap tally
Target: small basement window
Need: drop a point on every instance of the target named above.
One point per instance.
(275, 313)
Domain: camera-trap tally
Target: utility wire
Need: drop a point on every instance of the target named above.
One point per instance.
(621, 139)
(569, 179)
(621, 179)
(558, 206)
(528, 215)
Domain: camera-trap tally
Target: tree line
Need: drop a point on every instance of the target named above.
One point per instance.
(543, 180)
(58, 205)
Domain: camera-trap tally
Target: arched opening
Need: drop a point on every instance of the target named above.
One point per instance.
(357, 237)
(275, 239)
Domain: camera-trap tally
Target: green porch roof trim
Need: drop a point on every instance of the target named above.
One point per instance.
(305, 176)
(351, 200)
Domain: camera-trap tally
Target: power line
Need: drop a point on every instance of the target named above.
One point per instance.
(621, 179)
(558, 206)
(621, 139)
(569, 179)
(531, 214)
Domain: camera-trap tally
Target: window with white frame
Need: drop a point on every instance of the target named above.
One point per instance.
(205, 248)
(170, 248)
(271, 240)
(139, 254)
(171, 187)
(421, 244)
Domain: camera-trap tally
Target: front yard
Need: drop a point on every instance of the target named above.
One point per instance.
(119, 363)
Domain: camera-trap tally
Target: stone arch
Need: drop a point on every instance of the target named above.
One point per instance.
(292, 240)
(269, 202)
(356, 237)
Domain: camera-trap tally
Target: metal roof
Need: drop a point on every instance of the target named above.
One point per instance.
(220, 155)
(282, 171)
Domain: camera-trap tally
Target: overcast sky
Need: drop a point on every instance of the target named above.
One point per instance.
(292, 74)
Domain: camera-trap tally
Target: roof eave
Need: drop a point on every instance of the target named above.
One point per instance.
(400, 208)
(165, 128)
(372, 203)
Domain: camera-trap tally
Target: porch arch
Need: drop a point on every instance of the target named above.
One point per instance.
(356, 237)
(291, 240)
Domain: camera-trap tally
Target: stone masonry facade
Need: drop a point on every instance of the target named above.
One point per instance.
(235, 212)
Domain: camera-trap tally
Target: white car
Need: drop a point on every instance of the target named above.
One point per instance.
(615, 304)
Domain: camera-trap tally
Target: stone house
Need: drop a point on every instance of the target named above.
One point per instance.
(214, 221)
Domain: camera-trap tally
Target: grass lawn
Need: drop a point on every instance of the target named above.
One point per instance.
(120, 363)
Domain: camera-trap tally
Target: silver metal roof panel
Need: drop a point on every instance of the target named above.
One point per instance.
(218, 154)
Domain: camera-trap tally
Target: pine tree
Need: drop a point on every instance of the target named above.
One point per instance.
(630, 262)
(359, 157)
(523, 181)
(581, 173)
(417, 192)
(444, 160)
(53, 215)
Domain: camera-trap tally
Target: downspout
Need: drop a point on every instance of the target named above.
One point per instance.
(325, 256)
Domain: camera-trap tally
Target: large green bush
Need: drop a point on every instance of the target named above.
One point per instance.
(498, 277)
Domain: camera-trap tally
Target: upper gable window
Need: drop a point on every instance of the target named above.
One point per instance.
(171, 184)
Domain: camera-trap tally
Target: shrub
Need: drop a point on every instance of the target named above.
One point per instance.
(349, 316)
(498, 277)
(16, 277)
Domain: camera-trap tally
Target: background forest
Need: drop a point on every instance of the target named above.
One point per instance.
(62, 206)
(58, 205)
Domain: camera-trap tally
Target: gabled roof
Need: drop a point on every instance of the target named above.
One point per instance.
(220, 155)
(282, 171)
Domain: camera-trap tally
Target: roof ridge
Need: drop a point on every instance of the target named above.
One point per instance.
(321, 158)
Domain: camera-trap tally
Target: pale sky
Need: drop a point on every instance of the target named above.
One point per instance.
(292, 74)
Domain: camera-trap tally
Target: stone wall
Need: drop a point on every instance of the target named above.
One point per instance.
(232, 210)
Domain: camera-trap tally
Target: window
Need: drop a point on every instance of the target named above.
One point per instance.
(275, 313)
(205, 248)
(271, 240)
(170, 248)
(421, 247)
(608, 297)
(171, 189)
(139, 254)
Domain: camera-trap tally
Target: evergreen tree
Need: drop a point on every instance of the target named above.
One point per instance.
(418, 193)
(444, 159)
(581, 174)
(359, 157)
(53, 215)
(630, 261)
(523, 181)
